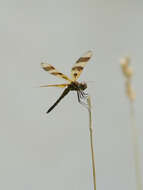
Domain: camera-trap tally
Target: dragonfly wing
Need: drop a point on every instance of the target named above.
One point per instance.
(79, 65)
(52, 70)
(55, 85)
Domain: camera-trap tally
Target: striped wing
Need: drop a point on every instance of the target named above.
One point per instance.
(79, 65)
(54, 71)
(55, 85)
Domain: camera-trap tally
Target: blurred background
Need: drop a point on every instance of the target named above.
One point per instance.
(40, 151)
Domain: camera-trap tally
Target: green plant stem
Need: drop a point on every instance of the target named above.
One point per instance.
(91, 142)
(135, 147)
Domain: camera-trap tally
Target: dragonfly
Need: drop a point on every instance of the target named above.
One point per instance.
(72, 83)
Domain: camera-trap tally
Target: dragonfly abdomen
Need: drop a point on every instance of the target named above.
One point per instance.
(66, 91)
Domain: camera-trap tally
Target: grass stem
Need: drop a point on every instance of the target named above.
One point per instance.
(135, 146)
(91, 142)
(128, 73)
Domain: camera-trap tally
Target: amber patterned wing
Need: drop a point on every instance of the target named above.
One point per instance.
(55, 85)
(54, 71)
(79, 65)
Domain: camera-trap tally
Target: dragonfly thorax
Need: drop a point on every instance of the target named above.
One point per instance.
(78, 86)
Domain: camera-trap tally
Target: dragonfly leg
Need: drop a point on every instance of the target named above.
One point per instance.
(80, 96)
(83, 94)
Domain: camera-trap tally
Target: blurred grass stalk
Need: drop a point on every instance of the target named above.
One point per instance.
(91, 141)
(128, 73)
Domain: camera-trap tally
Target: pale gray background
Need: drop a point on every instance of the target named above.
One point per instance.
(39, 151)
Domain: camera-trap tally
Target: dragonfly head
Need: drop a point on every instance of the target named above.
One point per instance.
(82, 85)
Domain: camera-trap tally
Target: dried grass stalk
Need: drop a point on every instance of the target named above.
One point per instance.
(91, 141)
(128, 73)
(135, 146)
